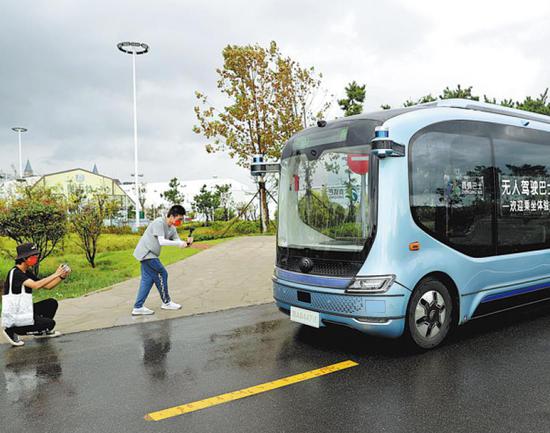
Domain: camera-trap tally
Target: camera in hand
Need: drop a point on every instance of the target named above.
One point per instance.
(66, 268)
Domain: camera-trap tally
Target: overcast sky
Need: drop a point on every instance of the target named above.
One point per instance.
(62, 77)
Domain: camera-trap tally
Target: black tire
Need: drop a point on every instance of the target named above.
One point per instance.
(429, 314)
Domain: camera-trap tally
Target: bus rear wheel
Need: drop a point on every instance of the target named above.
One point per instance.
(429, 314)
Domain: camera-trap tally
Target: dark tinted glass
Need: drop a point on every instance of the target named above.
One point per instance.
(452, 185)
(522, 159)
(342, 133)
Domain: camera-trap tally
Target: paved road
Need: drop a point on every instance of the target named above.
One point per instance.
(492, 376)
(232, 274)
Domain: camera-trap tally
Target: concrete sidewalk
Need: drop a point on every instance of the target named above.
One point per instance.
(231, 274)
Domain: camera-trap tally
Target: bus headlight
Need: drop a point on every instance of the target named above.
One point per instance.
(371, 284)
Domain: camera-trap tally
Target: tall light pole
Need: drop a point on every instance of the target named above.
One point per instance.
(19, 131)
(135, 49)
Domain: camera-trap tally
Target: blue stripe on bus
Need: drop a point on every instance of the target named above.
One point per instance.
(515, 292)
(335, 283)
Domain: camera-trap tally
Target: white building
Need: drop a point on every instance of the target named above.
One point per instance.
(9, 187)
(190, 188)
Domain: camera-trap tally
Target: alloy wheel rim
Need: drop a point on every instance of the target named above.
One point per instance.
(430, 314)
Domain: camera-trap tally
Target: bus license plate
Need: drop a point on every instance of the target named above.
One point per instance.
(306, 317)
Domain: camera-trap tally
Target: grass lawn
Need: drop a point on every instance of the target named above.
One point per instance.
(113, 265)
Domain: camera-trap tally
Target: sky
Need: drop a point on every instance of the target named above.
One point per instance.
(62, 77)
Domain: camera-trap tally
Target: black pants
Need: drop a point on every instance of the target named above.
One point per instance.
(44, 312)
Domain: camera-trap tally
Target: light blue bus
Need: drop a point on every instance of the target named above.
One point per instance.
(415, 220)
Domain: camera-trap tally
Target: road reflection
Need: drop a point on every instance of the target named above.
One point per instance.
(30, 372)
(156, 339)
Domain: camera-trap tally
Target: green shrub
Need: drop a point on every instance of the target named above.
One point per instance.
(245, 227)
(218, 225)
(209, 237)
(117, 230)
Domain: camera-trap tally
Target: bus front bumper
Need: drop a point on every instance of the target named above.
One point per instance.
(374, 315)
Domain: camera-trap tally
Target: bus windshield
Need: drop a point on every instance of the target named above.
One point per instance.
(324, 200)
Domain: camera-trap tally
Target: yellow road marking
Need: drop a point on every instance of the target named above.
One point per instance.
(246, 392)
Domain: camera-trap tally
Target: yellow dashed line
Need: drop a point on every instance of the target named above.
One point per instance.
(246, 392)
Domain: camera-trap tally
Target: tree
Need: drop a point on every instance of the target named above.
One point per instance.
(459, 92)
(142, 196)
(353, 104)
(253, 212)
(225, 198)
(221, 214)
(154, 211)
(76, 198)
(87, 221)
(317, 210)
(505, 102)
(448, 93)
(130, 211)
(539, 105)
(106, 203)
(87, 224)
(173, 195)
(37, 216)
(536, 105)
(242, 209)
(270, 97)
(206, 203)
(422, 100)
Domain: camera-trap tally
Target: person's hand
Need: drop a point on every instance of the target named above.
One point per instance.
(63, 271)
(67, 271)
(183, 244)
(60, 271)
(189, 240)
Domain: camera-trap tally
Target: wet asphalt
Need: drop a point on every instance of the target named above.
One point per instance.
(493, 375)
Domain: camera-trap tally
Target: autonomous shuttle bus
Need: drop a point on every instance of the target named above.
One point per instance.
(414, 220)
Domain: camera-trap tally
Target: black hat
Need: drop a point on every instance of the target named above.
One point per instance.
(26, 250)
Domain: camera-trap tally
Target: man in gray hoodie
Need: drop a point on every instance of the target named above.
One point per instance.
(161, 232)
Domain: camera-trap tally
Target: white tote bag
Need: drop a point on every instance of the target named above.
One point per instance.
(17, 309)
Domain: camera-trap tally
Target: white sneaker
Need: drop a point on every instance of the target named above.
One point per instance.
(12, 338)
(46, 334)
(143, 311)
(170, 306)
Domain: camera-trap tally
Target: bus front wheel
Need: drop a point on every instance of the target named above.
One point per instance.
(429, 314)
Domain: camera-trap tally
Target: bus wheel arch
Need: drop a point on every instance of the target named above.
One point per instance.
(427, 322)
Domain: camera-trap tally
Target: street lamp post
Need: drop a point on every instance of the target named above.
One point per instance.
(135, 49)
(19, 131)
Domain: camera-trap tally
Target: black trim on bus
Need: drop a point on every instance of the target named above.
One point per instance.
(361, 130)
(500, 305)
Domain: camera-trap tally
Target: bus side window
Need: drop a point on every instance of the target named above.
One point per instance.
(522, 158)
(452, 186)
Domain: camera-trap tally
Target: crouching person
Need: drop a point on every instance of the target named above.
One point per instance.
(19, 315)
